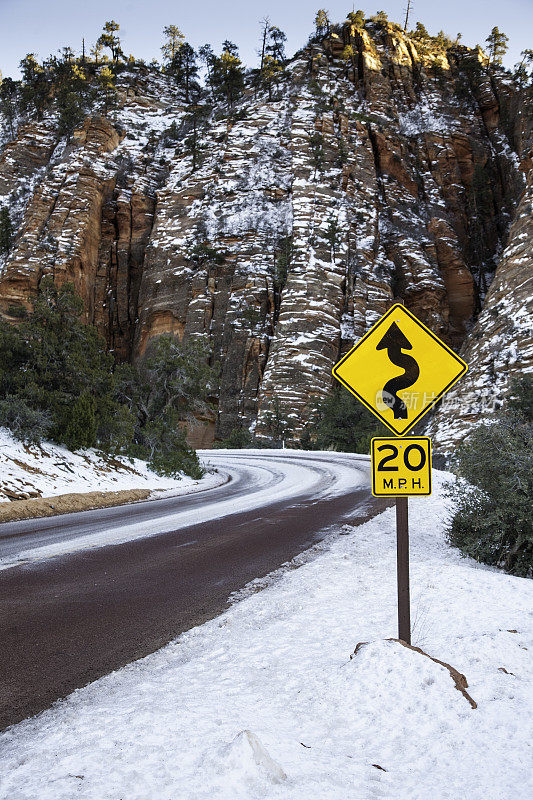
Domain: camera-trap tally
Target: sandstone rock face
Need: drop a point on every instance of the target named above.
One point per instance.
(500, 345)
(60, 233)
(22, 158)
(394, 175)
(89, 215)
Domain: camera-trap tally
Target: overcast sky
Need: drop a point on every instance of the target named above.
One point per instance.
(43, 27)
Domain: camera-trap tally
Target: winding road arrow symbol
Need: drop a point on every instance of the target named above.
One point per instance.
(394, 341)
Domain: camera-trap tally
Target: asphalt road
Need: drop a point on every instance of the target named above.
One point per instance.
(84, 594)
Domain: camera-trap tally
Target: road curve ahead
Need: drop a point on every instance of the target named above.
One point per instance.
(83, 594)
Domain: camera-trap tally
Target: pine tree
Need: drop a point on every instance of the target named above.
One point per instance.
(195, 119)
(169, 453)
(332, 236)
(6, 231)
(80, 423)
(50, 360)
(270, 73)
(493, 520)
(30, 68)
(420, 33)
(228, 74)
(356, 18)
(71, 112)
(497, 43)
(35, 85)
(442, 40)
(322, 22)
(165, 388)
(272, 55)
(275, 46)
(523, 71)
(277, 423)
(71, 97)
(109, 39)
(8, 102)
(96, 52)
(185, 70)
(68, 54)
(174, 41)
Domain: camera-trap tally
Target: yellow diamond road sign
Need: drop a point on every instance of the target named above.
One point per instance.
(399, 369)
(401, 467)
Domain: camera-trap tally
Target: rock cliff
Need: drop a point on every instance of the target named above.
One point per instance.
(398, 172)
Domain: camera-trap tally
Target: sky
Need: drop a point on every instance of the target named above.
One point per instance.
(44, 27)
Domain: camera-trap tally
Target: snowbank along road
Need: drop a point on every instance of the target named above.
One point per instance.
(86, 593)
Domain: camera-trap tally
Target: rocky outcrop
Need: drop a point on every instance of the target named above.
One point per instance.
(23, 157)
(391, 175)
(500, 346)
(60, 233)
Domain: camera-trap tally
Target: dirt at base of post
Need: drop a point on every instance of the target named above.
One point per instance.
(66, 503)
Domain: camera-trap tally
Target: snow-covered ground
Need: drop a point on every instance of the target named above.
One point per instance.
(265, 702)
(49, 470)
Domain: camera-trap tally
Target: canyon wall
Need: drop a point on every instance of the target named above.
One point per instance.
(398, 173)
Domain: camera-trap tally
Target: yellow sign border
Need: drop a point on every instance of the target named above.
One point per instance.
(392, 310)
(404, 494)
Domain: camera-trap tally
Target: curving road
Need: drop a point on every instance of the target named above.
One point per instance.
(83, 594)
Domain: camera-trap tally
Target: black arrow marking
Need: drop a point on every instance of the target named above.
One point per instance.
(394, 342)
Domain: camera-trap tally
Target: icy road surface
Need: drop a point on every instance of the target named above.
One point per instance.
(83, 594)
(255, 479)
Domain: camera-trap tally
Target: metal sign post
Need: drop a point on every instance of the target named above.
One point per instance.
(402, 569)
(401, 467)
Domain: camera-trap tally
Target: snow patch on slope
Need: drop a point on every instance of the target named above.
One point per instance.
(47, 470)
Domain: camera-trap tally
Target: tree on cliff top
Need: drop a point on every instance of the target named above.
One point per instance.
(420, 33)
(524, 69)
(109, 39)
(35, 85)
(8, 101)
(322, 23)
(174, 41)
(72, 96)
(356, 18)
(185, 71)
(497, 43)
(272, 55)
(227, 74)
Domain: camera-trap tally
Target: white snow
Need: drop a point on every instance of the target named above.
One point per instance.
(48, 470)
(265, 702)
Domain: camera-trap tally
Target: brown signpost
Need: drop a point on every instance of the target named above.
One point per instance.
(401, 467)
(402, 569)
